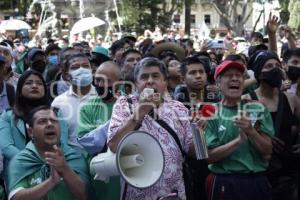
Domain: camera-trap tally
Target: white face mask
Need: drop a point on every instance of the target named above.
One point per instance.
(82, 76)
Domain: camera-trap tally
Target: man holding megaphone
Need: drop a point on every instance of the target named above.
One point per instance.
(140, 112)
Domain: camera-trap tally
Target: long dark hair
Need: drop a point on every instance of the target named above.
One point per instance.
(21, 108)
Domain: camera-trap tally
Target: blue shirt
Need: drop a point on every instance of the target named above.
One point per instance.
(4, 104)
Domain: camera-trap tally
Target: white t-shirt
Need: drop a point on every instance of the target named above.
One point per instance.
(69, 105)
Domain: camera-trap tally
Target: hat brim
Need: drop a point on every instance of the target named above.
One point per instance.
(169, 46)
(234, 65)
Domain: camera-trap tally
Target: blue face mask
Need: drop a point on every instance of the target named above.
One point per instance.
(82, 77)
(53, 60)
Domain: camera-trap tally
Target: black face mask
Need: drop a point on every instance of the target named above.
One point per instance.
(293, 73)
(273, 77)
(101, 92)
(39, 66)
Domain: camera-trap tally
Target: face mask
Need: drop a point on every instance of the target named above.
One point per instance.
(81, 77)
(293, 73)
(273, 77)
(101, 92)
(39, 66)
(53, 60)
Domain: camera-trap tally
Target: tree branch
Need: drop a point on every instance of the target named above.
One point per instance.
(222, 14)
(230, 7)
(173, 6)
(248, 16)
(164, 7)
(254, 27)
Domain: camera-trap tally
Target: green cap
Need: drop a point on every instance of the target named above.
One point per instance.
(100, 50)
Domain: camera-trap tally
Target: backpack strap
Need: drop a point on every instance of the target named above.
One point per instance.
(11, 94)
(278, 118)
(163, 124)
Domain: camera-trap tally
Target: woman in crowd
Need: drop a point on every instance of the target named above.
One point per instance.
(285, 111)
(31, 92)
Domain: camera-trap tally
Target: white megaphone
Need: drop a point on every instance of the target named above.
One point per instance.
(139, 160)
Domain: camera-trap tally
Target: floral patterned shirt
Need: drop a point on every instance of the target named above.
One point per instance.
(175, 115)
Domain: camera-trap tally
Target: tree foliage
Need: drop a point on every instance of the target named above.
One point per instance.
(284, 4)
(284, 13)
(139, 15)
(294, 9)
(22, 6)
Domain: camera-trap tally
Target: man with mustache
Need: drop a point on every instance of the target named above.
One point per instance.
(46, 168)
(134, 112)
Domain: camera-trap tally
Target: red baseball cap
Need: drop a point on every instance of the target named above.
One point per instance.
(228, 64)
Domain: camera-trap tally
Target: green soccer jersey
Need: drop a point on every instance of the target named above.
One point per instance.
(92, 114)
(28, 169)
(59, 192)
(221, 130)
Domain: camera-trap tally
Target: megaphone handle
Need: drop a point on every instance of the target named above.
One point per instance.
(101, 178)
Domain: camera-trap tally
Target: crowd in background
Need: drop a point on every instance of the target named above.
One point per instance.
(56, 94)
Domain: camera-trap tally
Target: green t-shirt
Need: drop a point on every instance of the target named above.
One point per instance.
(28, 169)
(92, 114)
(221, 130)
(60, 191)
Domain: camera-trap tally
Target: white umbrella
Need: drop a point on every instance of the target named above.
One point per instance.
(85, 24)
(13, 24)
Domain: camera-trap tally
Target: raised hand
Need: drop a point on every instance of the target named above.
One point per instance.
(272, 24)
(289, 33)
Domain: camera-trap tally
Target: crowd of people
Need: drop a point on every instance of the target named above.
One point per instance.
(62, 105)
